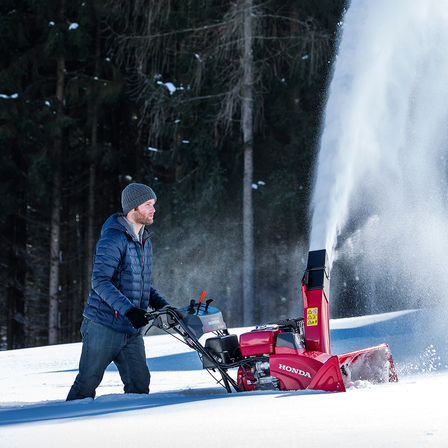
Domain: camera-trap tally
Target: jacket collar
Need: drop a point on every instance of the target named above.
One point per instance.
(119, 222)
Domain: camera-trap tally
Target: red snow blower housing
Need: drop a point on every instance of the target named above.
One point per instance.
(289, 355)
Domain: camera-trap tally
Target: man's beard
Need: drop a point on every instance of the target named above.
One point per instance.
(142, 219)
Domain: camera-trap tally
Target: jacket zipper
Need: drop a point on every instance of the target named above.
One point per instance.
(143, 271)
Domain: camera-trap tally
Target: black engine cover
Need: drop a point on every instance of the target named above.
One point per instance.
(224, 349)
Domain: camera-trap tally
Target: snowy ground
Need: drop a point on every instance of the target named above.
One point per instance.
(187, 409)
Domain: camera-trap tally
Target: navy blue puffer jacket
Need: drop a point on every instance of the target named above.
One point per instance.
(121, 277)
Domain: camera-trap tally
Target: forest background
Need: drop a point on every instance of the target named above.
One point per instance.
(217, 105)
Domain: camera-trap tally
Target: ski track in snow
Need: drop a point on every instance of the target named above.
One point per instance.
(187, 408)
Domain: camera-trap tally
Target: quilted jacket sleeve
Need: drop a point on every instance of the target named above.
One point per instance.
(156, 301)
(108, 254)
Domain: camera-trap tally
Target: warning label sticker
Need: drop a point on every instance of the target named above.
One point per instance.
(311, 317)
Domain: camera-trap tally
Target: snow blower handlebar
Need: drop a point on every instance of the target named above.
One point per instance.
(165, 319)
(196, 318)
(190, 324)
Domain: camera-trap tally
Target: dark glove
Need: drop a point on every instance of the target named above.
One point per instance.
(167, 307)
(137, 317)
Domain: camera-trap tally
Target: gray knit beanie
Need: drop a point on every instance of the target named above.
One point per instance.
(134, 195)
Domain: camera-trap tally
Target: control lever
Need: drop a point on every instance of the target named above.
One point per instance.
(207, 304)
(191, 308)
(200, 301)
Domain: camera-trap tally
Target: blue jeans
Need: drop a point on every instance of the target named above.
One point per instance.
(101, 346)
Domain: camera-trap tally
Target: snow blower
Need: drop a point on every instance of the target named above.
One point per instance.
(293, 354)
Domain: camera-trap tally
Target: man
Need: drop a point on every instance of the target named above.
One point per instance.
(120, 295)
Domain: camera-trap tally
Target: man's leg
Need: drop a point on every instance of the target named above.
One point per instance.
(100, 346)
(131, 364)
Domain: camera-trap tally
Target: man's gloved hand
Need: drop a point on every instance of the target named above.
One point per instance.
(164, 320)
(137, 317)
(167, 307)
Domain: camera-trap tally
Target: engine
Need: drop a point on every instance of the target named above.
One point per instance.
(257, 376)
(258, 345)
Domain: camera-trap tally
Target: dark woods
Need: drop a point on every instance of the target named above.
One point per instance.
(215, 105)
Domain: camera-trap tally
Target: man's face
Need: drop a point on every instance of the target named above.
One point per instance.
(144, 213)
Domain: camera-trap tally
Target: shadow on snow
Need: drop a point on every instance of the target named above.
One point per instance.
(177, 362)
(109, 404)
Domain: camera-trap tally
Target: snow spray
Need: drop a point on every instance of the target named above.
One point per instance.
(380, 201)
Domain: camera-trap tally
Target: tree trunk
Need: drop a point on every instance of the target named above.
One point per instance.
(90, 225)
(92, 167)
(55, 233)
(16, 284)
(296, 268)
(247, 111)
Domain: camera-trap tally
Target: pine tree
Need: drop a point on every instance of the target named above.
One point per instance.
(156, 92)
